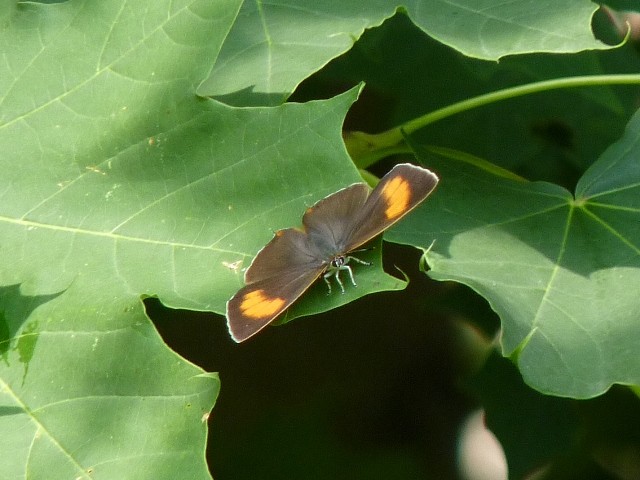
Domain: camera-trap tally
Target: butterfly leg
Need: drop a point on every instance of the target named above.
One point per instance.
(326, 280)
(348, 269)
(356, 259)
(335, 272)
(340, 263)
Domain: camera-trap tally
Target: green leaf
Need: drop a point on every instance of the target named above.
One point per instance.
(121, 183)
(91, 91)
(89, 393)
(273, 47)
(558, 270)
(369, 280)
(491, 30)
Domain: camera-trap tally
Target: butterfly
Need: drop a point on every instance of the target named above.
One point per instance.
(332, 229)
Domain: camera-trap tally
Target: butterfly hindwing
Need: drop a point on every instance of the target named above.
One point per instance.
(328, 223)
(288, 249)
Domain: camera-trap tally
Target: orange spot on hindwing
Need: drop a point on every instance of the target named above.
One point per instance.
(257, 304)
(397, 195)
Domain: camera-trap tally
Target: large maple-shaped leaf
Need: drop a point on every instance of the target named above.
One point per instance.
(88, 388)
(119, 182)
(561, 270)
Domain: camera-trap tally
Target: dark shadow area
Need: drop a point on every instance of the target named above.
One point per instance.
(370, 390)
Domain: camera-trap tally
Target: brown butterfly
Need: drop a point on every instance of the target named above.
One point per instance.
(332, 228)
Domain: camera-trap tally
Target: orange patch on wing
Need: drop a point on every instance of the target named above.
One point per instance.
(257, 304)
(397, 195)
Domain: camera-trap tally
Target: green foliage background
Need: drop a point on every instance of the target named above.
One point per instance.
(149, 149)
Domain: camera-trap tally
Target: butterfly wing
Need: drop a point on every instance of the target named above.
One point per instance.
(288, 249)
(278, 275)
(290, 263)
(256, 305)
(399, 192)
(329, 222)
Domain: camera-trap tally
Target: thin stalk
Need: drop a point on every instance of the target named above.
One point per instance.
(394, 136)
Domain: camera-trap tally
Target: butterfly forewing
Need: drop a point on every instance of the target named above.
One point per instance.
(399, 192)
(259, 303)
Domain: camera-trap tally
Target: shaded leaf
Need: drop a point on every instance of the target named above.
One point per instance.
(557, 269)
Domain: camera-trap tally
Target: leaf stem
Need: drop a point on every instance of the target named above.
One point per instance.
(366, 148)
